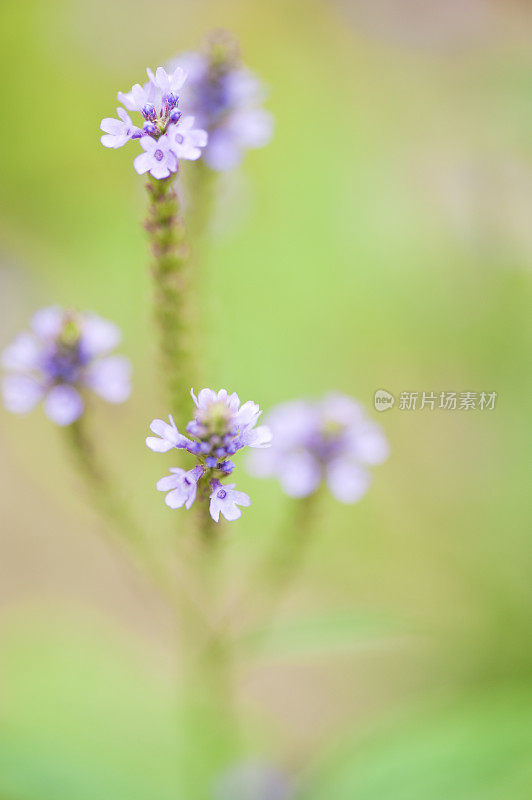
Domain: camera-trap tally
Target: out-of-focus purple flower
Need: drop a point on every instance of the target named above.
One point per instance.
(64, 353)
(225, 99)
(253, 780)
(329, 440)
(222, 425)
(166, 135)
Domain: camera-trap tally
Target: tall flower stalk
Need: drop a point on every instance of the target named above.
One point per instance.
(221, 427)
(166, 138)
(174, 302)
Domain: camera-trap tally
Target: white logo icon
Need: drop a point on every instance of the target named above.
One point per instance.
(383, 400)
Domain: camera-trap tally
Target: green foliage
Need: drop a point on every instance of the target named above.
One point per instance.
(470, 748)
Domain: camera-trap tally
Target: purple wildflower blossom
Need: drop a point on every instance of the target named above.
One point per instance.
(225, 501)
(119, 131)
(159, 159)
(225, 100)
(166, 135)
(167, 436)
(222, 425)
(139, 96)
(64, 353)
(187, 141)
(167, 82)
(181, 486)
(329, 440)
(253, 780)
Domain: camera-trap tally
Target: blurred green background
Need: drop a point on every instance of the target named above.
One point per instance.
(382, 240)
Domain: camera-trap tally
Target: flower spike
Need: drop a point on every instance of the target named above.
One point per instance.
(221, 426)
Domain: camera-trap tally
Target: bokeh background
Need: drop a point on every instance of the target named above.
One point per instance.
(382, 240)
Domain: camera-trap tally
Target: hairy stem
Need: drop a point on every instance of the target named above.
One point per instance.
(173, 294)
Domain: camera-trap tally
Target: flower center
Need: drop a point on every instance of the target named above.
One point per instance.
(158, 155)
(64, 361)
(215, 418)
(179, 139)
(221, 494)
(158, 119)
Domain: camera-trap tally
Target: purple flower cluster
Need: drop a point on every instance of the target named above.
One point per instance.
(329, 440)
(166, 135)
(64, 353)
(221, 426)
(225, 100)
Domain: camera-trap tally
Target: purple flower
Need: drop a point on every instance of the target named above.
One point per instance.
(139, 96)
(118, 131)
(187, 141)
(166, 135)
(225, 425)
(225, 100)
(159, 159)
(330, 440)
(63, 354)
(181, 486)
(167, 436)
(167, 82)
(253, 780)
(222, 425)
(225, 501)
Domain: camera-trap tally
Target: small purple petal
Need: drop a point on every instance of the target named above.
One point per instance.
(22, 354)
(21, 393)
(182, 487)
(110, 378)
(370, 444)
(98, 335)
(170, 436)
(257, 437)
(158, 445)
(63, 405)
(300, 474)
(225, 500)
(347, 481)
(47, 322)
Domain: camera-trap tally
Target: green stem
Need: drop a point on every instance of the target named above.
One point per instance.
(174, 295)
(209, 706)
